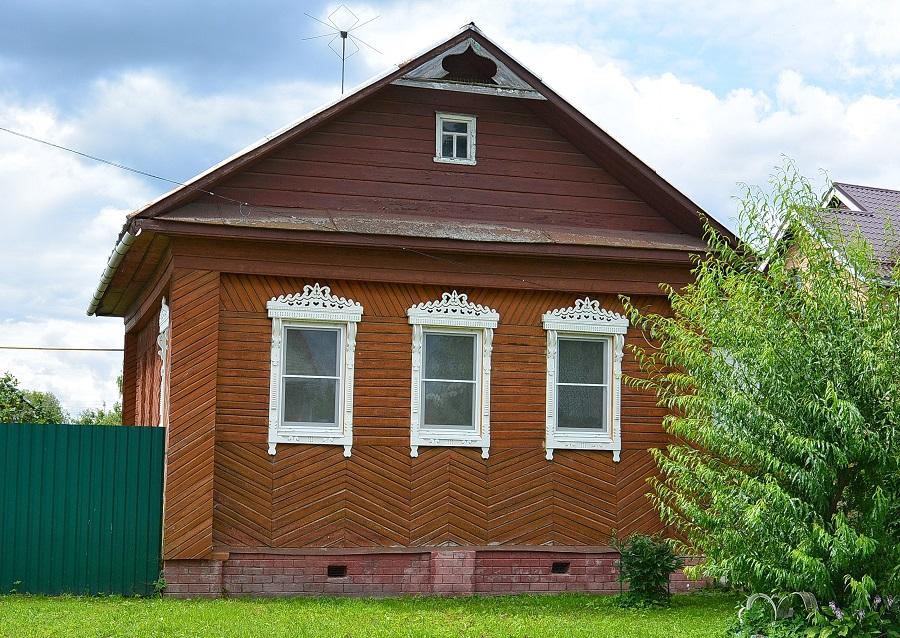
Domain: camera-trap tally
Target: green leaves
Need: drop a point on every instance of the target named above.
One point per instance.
(781, 366)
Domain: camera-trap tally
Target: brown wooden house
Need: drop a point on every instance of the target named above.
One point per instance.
(386, 341)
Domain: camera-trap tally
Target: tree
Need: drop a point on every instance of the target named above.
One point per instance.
(102, 416)
(48, 404)
(28, 406)
(780, 365)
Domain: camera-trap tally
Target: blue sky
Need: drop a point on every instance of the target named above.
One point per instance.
(709, 93)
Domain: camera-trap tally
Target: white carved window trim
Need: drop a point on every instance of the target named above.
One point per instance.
(315, 307)
(452, 312)
(162, 342)
(586, 319)
(469, 121)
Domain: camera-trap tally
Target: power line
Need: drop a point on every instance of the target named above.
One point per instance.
(119, 166)
(52, 349)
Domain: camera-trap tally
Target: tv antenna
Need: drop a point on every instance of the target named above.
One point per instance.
(341, 24)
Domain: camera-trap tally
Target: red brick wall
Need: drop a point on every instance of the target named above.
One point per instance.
(450, 571)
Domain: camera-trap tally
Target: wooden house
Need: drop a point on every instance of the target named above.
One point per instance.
(387, 342)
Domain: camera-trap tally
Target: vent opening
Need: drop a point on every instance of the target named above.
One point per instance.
(559, 568)
(337, 571)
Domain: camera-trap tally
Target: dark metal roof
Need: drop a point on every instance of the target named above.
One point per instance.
(878, 217)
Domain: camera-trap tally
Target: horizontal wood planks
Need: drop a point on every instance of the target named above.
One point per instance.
(378, 159)
(190, 448)
(311, 496)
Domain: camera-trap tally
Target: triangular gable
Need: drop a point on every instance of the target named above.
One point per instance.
(511, 76)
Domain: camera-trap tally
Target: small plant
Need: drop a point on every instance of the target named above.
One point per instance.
(159, 585)
(645, 563)
(877, 618)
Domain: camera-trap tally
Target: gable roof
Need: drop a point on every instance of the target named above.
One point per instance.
(873, 212)
(511, 78)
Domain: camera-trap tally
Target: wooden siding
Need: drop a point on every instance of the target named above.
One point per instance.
(147, 374)
(311, 496)
(129, 379)
(378, 159)
(188, 509)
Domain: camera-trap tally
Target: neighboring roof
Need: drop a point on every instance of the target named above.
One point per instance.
(516, 80)
(875, 212)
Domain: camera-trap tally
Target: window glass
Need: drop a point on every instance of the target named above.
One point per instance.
(581, 407)
(449, 404)
(450, 356)
(447, 146)
(455, 127)
(462, 147)
(582, 360)
(449, 385)
(311, 352)
(310, 400)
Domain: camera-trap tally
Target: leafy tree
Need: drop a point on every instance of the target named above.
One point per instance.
(49, 405)
(102, 416)
(781, 369)
(28, 406)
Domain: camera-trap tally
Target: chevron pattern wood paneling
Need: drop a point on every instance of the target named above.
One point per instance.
(190, 448)
(311, 496)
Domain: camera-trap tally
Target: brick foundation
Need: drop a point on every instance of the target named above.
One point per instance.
(440, 571)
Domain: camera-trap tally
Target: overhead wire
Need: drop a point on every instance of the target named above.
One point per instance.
(118, 165)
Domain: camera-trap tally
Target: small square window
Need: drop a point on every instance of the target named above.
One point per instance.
(455, 139)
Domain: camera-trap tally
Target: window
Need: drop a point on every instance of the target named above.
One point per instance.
(455, 139)
(450, 380)
(584, 378)
(311, 384)
(451, 368)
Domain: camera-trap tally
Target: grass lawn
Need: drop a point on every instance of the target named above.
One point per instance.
(537, 616)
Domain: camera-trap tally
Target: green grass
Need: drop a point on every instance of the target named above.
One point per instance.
(536, 616)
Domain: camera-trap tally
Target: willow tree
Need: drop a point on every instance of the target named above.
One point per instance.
(780, 365)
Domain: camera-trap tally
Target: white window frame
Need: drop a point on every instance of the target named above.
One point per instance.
(585, 320)
(453, 312)
(314, 308)
(469, 121)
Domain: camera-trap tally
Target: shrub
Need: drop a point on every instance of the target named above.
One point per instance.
(781, 372)
(645, 564)
(877, 618)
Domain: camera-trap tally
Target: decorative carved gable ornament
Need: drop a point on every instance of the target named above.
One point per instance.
(453, 309)
(586, 316)
(438, 73)
(315, 302)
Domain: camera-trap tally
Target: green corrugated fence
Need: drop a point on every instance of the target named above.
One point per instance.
(80, 508)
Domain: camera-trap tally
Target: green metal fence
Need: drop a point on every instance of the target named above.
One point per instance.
(80, 508)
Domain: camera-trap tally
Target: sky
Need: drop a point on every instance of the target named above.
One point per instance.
(710, 93)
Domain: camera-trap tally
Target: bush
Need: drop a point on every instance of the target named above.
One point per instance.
(781, 373)
(645, 564)
(877, 618)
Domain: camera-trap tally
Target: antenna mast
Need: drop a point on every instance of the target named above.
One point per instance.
(341, 23)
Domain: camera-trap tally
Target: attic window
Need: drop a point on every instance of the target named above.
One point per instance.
(455, 138)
